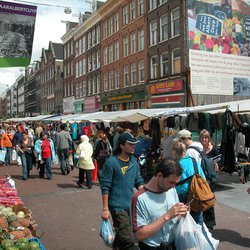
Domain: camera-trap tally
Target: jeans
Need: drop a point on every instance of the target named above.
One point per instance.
(124, 238)
(26, 160)
(47, 165)
(7, 156)
(63, 155)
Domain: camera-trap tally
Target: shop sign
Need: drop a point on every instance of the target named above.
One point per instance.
(90, 103)
(209, 25)
(125, 98)
(166, 98)
(164, 87)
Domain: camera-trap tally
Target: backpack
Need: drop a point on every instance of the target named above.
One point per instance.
(200, 194)
(207, 165)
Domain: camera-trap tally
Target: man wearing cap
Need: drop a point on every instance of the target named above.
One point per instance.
(185, 137)
(119, 177)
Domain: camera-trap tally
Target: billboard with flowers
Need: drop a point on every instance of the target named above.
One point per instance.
(219, 44)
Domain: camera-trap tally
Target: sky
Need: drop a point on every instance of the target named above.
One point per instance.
(49, 27)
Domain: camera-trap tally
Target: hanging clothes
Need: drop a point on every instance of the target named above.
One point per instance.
(192, 122)
(227, 143)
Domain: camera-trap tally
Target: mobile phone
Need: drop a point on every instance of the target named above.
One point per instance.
(188, 203)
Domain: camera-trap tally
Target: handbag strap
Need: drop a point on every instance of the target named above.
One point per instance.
(190, 177)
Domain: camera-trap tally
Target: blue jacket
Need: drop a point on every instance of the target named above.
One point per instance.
(120, 186)
(38, 149)
(188, 170)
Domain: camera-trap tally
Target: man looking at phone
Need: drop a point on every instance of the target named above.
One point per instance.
(155, 208)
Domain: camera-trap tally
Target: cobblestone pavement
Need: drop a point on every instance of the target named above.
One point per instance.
(68, 217)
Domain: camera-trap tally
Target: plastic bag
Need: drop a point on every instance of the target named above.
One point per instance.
(2, 154)
(107, 233)
(14, 155)
(56, 160)
(214, 242)
(189, 235)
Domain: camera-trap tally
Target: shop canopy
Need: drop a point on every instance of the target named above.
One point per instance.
(136, 115)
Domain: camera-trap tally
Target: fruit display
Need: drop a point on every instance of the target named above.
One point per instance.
(17, 230)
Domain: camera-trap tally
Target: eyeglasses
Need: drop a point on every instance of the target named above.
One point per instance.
(183, 138)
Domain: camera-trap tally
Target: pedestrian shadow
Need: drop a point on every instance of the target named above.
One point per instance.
(225, 235)
(222, 187)
(67, 185)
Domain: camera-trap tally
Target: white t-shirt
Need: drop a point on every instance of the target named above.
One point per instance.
(194, 153)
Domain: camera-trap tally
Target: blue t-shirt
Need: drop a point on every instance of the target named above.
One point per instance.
(188, 170)
(147, 207)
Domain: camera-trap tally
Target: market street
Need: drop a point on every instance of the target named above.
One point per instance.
(68, 218)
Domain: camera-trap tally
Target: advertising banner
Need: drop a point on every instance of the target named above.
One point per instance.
(164, 87)
(90, 103)
(219, 31)
(17, 25)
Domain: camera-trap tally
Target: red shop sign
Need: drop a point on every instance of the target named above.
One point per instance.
(90, 103)
(166, 98)
(165, 87)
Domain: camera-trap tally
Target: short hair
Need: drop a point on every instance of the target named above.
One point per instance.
(63, 126)
(205, 133)
(168, 167)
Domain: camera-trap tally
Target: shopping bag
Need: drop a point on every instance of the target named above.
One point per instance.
(107, 233)
(2, 154)
(214, 242)
(56, 160)
(189, 235)
(14, 155)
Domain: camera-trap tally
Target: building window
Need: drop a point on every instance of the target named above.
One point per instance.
(77, 48)
(154, 67)
(125, 15)
(111, 25)
(126, 76)
(84, 88)
(133, 73)
(153, 32)
(125, 46)
(89, 63)
(116, 22)
(93, 36)
(117, 78)
(111, 80)
(141, 71)
(94, 85)
(105, 56)
(90, 90)
(117, 50)
(84, 66)
(140, 7)
(93, 61)
(98, 34)
(152, 4)
(133, 42)
(175, 22)
(81, 89)
(105, 82)
(98, 84)
(105, 29)
(98, 59)
(80, 68)
(132, 10)
(89, 40)
(176, 61)
(111, 54)
(83, 45)
(164, 64)
(77, 69)
(164, 28)
(141, 39)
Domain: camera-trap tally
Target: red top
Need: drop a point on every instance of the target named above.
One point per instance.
(86, 130)
(46, 150)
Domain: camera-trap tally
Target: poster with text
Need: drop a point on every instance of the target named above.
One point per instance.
(220, 27)
(17, 26)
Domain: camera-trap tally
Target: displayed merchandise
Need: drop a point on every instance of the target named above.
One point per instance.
(16, 224)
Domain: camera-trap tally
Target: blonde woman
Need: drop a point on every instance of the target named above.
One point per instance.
(85, 162)
(186, 162)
